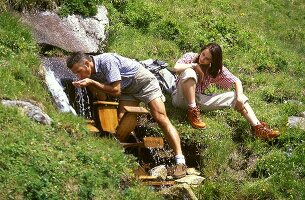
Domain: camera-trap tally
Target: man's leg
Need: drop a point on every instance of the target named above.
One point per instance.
(158, 112)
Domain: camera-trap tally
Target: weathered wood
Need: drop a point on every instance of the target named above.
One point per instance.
(106, 103)
(108, 116)
(159, 183)
(92, 128)
(136, 110)
(128, 122)
(148, 142)
(143, 177)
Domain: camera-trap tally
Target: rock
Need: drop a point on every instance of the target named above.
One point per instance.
(181, 191)
(190, 179)
(73, 33)
(192, 171)
(302, 114)
(31, 110)
(158, 171)
(296, 122)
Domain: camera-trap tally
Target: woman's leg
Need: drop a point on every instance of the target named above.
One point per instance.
(249, 114)
(188, 88)
(184, 96)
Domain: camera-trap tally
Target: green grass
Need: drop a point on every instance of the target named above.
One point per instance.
(57, 161)
(263, 44)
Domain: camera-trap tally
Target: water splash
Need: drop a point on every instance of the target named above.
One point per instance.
(83, 102)
(161, 156)
(57, 91)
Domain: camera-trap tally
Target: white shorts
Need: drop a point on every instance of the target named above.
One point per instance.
(205, 102)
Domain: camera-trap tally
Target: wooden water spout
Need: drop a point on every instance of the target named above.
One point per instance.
(108, 115)
(108, 119)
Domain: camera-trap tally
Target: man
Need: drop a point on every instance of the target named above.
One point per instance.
(132, 83)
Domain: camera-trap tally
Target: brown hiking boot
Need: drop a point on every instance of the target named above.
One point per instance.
(179, 171)
(264, 131)
(193, 115)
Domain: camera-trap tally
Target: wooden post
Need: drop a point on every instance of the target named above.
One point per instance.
(128, 122)
(108, 116)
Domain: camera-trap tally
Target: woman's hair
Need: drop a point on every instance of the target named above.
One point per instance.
(76, 58)
(216, 64)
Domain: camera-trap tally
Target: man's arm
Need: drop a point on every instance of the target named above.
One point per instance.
(113, 89)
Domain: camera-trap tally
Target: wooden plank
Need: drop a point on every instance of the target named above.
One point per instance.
(159, 183)
(126, 126)
(106, 103)
(129, 121)
(135, 109)
(146, 177)
(92, 128)
(108, 116)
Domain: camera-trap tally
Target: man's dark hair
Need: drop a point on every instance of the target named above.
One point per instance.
(216, 64)
(76, 58)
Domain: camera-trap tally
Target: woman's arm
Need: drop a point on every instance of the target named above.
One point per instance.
(239, 95)
(180, 67)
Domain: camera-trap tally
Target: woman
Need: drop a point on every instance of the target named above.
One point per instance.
(196, 73)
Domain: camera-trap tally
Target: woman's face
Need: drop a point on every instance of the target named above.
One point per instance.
(205, 57)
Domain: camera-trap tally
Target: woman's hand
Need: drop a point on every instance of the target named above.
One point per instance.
(199, 73)
(82, 83)
(239, 105)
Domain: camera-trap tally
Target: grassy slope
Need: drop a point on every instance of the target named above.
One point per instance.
(263, 43)
(60, 161)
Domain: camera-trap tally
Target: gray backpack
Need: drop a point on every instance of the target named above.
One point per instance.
(166, 78)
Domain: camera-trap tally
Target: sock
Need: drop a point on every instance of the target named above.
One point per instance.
(180, 159)
(192, 105)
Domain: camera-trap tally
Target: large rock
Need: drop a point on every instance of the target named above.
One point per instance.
(32, 111)
(180, 191)
(73, 33)
(296, 122)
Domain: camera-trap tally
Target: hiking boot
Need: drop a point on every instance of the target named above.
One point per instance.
(193, 115)
(264, 131)
(179, 171)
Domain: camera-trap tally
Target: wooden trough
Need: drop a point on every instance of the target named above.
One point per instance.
(108, 119)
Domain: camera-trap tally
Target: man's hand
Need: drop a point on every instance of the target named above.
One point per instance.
(82, 83)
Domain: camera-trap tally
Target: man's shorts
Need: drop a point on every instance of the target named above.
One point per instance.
(205, 102)
(144, 87)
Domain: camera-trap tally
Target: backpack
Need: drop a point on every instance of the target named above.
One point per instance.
(166, 78)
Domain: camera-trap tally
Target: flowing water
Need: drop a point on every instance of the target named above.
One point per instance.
(83, 101)
(57, 91)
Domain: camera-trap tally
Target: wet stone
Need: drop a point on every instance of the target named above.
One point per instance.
(296, 122)
(181, 191)
(192, 171)
(191, 179)
(159, 171)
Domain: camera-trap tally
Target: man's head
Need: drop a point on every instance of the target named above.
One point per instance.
(81, 64)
